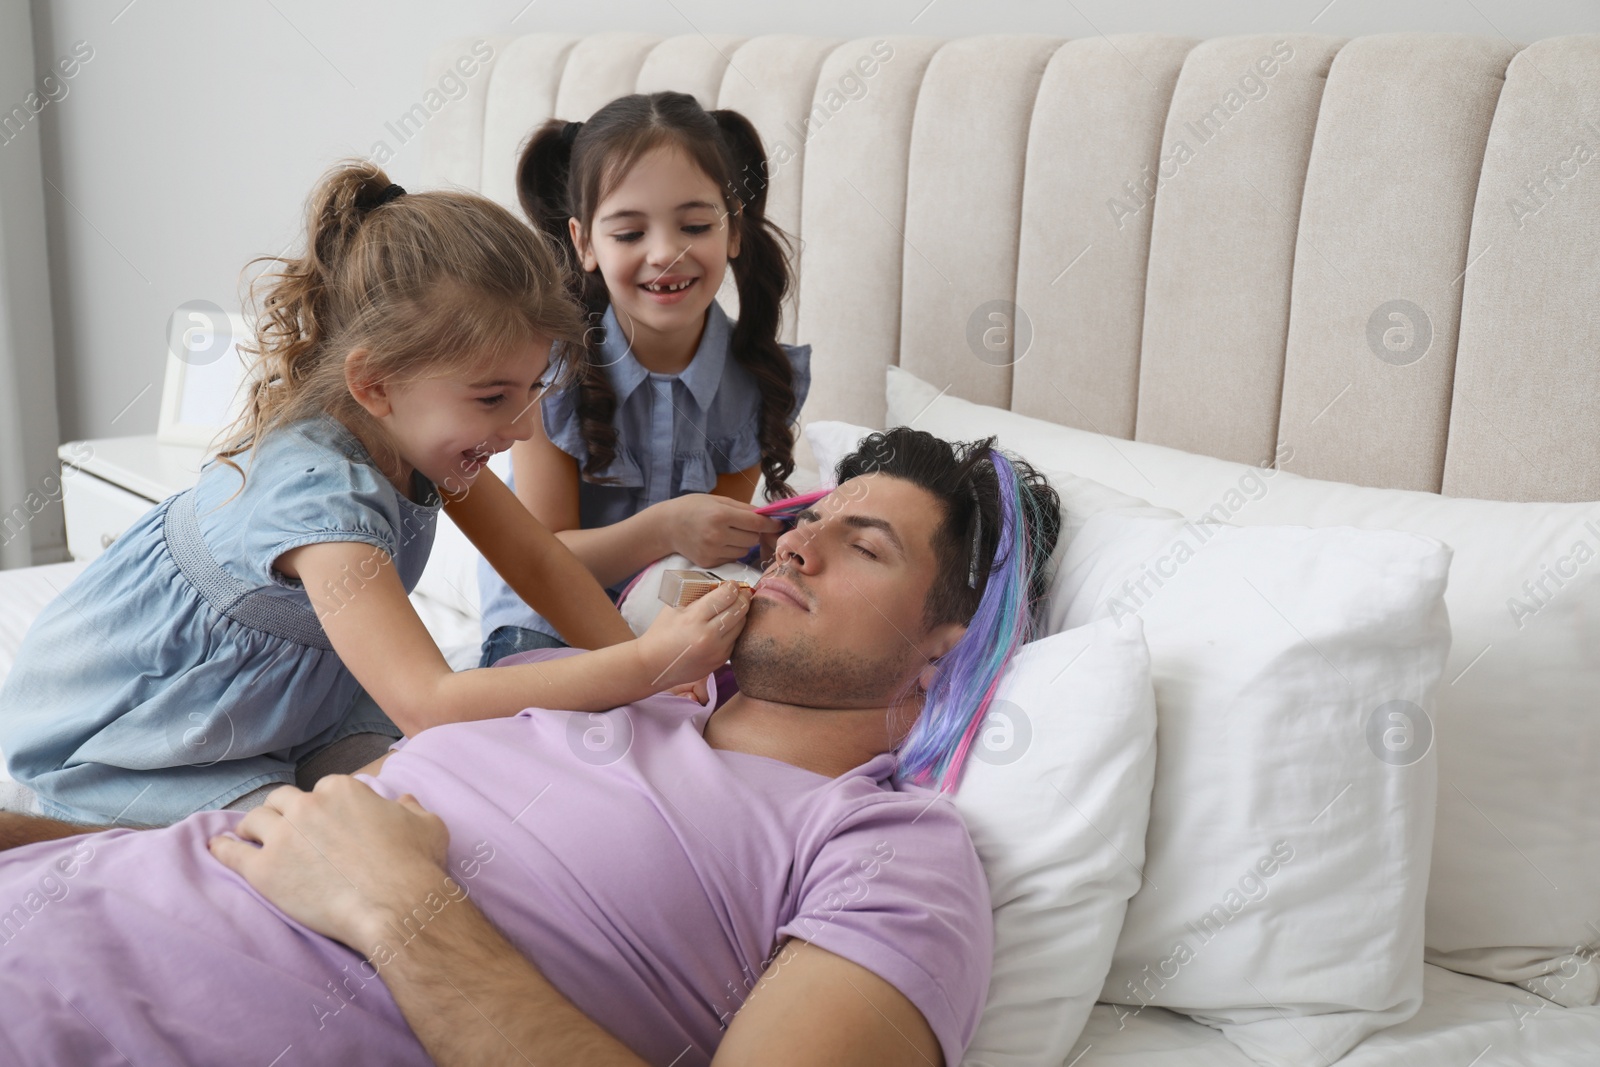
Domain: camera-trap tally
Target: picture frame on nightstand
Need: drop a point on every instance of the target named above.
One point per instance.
(202, 387)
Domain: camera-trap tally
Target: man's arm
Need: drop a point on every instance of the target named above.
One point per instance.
(348, 863)
(472, 999)
(814, 1007)
(17, 830)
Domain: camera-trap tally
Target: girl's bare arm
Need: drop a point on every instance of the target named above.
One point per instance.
(543, 571)
(371, 624)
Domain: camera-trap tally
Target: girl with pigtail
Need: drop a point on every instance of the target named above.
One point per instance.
(677, 412)
(255, 630)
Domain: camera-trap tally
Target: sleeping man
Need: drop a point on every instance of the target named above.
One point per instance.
(662, 883)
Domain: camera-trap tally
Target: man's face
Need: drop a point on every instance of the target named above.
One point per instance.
(837, 621)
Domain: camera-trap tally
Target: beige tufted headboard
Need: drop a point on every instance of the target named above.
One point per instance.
(1383, 252)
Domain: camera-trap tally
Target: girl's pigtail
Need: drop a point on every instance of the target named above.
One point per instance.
(761, 272)
(542, 186)
(543, 174)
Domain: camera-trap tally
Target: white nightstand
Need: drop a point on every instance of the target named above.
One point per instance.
(107, 484)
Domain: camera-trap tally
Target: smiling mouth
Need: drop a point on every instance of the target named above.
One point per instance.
(673, 287)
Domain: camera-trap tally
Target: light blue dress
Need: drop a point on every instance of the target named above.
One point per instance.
(180, 671)
(675, 434)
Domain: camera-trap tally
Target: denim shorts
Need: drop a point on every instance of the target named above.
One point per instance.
(509, 640)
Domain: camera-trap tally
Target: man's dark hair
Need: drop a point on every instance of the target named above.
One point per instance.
(961, 476)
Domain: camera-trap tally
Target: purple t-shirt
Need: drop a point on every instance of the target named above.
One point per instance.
(649, 876)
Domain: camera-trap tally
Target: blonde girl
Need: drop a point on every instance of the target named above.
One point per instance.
(255, 630)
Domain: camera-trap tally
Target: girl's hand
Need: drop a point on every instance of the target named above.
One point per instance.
(686, 644)
(712, 530)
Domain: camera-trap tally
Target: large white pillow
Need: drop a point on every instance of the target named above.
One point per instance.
(1287, 856)
(1516, 871)
(1055, 793)
(451, 575)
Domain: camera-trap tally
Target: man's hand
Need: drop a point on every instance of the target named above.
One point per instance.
(348, 863)
(340, 859)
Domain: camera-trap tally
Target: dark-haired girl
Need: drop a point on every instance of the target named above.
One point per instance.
(678, 412)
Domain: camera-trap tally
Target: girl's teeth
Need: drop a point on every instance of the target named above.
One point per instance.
(654, 288)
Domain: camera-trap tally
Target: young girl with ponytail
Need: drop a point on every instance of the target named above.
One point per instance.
(255, 630)
(678, 411)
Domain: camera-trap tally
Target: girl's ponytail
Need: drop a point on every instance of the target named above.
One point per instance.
(422, 283)
(543, 172)
(761, 272)
(293, 322)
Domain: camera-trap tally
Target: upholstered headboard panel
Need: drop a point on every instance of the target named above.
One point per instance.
(1383, 253)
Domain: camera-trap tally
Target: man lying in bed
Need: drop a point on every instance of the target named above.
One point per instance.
(657, 884)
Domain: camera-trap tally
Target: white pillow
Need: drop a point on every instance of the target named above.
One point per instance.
(1515, 872)
(1056, 792)
(830, 442)
(1287, 856)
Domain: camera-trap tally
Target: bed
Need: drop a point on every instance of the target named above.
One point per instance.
(1367, 261)
(1380, 254)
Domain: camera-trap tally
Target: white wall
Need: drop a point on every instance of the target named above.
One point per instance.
(31, 529)
(189, 141)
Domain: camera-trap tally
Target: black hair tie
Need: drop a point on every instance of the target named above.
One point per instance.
(393, 192)
(569, 133)
(977, 539)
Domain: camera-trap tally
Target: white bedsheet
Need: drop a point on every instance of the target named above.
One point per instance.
(23, 594)
(1464, 1022)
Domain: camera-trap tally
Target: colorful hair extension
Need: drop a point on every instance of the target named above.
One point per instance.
(958, 701)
